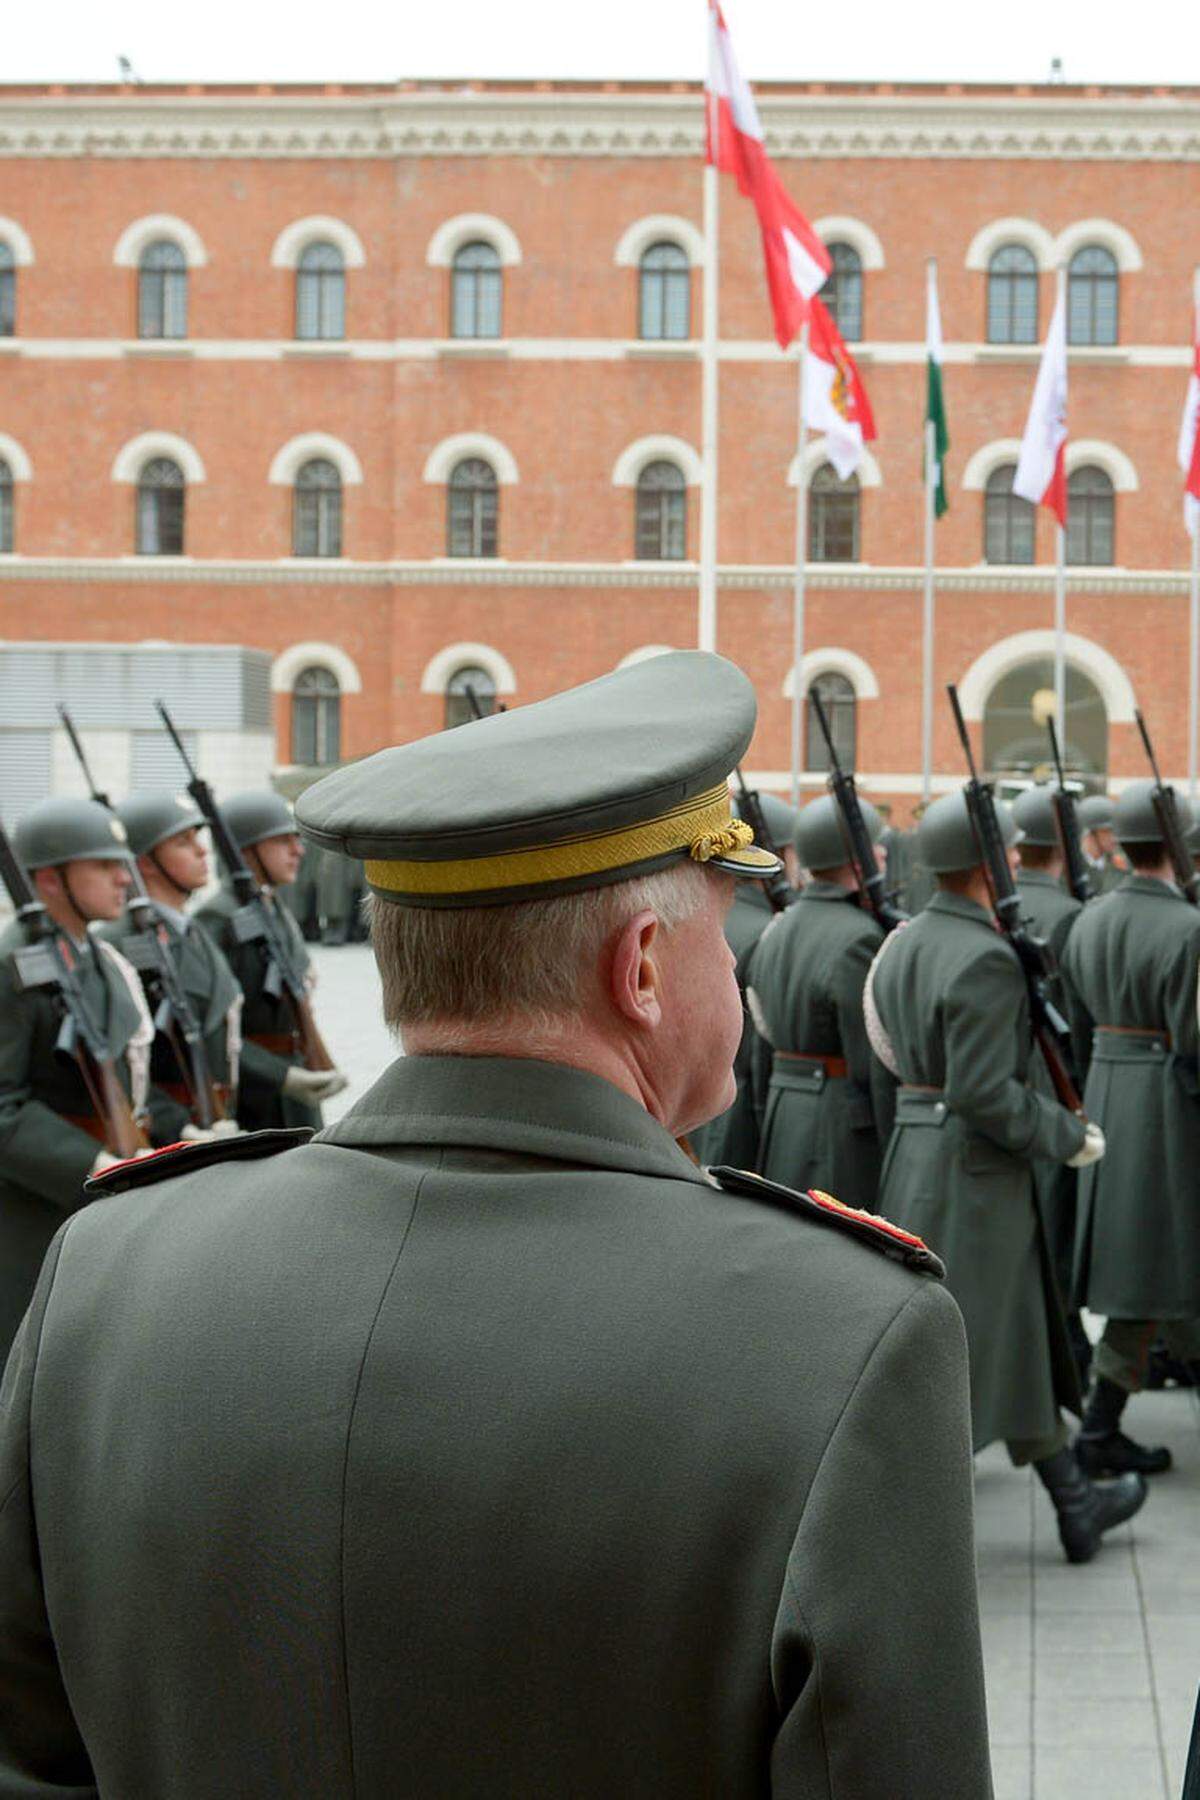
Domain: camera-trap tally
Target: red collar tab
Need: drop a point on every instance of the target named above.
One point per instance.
(868, 1218)
(821, 1208)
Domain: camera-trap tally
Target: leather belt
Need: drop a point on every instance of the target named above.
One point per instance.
(279, 1043)
(1137, 1031)
(835, 1067)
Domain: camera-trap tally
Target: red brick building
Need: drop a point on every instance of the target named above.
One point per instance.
(395, 383)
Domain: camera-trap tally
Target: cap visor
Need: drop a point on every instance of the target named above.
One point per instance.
(751, 863)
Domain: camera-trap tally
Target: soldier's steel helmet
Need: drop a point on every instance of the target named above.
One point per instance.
(1034, 813)
(1095, 813)
(64, 830)
(257, 815)
(150, 819)
(946, 838)
(1135, 820)
(819, 837)
(778, 817)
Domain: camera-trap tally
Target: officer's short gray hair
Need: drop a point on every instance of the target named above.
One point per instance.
(533, 959)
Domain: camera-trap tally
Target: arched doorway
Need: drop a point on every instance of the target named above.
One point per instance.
(1015, 739)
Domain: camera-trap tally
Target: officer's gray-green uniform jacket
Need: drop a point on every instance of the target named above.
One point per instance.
(1052, 911)
(951, 997)
(824, 1127)
(733, 1136)
(262, 1069)
(484, 1447)
(217, 1003)
(1131, 962)
(44, 1159)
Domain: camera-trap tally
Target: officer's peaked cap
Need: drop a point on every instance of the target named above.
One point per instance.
(63, 830)
(256, 815)
(819, 835)
(150, 819)
(946, 837)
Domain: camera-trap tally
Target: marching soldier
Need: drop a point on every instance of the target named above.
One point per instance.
(1131, 962)
(1108, 868)
(51, 1135)
(830, 1100)
(953, 1016)
(274, 1087)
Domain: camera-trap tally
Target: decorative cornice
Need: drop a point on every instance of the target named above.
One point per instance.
(1143, 126)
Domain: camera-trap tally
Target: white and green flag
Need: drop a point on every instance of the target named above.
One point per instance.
(935, 399)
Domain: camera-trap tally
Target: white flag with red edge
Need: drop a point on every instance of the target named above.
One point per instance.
(1189, 447)
(1041, 475)
(835, 400)
(797, 262)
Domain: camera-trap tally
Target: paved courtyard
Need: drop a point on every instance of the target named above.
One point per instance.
(1092, 1672)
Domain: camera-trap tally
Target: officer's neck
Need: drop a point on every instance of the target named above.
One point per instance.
(65, 917)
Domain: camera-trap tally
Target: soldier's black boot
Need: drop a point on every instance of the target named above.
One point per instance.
(1087, 1509)
(1102, 1448)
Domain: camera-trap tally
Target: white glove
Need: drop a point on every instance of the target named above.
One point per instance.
(225, 1128)
(1091, 1149)
(314, 1085)
(104, 1160)
(210, 1134)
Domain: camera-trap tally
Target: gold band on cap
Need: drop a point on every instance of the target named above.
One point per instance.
(702, 826)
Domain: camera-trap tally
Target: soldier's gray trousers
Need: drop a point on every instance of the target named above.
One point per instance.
(1122, 1351)
(1023, 1451)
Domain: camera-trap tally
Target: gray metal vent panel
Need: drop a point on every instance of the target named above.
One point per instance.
(154, 761)
(24, 772)
(207, 687)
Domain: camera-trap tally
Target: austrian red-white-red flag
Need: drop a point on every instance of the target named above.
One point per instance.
(1189, 445)
(835, 400)
(1041, 467)
(797, 262)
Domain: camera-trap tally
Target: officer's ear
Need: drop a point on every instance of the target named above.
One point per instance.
(49, 884)
(634, 978)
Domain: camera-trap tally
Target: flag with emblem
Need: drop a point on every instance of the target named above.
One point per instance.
(1189, 443)
(1041, 475)
(935, 399)
(796, 260)
(835, 400)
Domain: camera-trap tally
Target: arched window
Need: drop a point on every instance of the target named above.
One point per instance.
(472, 526)
(1014, 722)
(6, 508)
(475, 290)
(1009, 523)
(316, 718)
(317, 509)
(8, 292)
(838, 701)
(664, 292)
(321, 292)
(660, 518)
(162, 291)
(832, 516)
(1092, 296)
(1089, 516)
(1012, 296)
(843, 291)
(469, 692)
(160, 497)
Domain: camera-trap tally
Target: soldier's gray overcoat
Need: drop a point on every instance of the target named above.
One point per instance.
(821, 1129)
(484, 1447)
(732, 1137)
(1131, 962)
(958, 1171)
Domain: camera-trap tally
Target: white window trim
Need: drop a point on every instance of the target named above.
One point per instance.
(635, 456)
(1116, 465)
(294, 239)
(987, 460)
(1105, 232)
(1026, 232)
(135, 238)
(292, 662)
(16, 458)
(440, 462)
(288, 461)
(657, 228)
(132, 458)
(465, 228)
(1114, 685)
(817, 452)
(18, 241)
(833, 660)
(454, 657)
(839, 228)
(644, 653)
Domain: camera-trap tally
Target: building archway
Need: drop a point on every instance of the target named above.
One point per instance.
(1015, 739)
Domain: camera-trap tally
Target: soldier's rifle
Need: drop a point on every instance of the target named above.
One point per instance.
(1050, 1029)
(150, 953)
(476, 705)
(1066, 823)
(256, 920)
(1166, 811)
(779, 889)
(860, 850)
(46, 961)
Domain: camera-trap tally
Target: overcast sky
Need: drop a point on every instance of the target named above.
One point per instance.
(372, 40)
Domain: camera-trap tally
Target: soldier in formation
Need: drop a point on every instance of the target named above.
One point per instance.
(1105, 862)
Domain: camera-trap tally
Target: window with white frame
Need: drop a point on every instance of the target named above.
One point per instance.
(470, 694)
(476, 287)
(162, 291)
(660, 529)
(160, 496)
(664, 293)
(321, 293)
(317, 509)
(316, 718)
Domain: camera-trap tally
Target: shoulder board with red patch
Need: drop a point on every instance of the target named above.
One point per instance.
(184, 1157)
(890, 1240)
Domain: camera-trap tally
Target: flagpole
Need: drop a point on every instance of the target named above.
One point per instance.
(706, 635)
(927, 620)
(800, 573)
(1194, 658)
(1060, 595)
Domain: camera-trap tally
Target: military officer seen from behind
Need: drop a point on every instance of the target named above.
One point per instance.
(830, 1101)
(51, 1135)
(1131, 964)
(163, 832)
(274, 1087)
(952, 1017)
(1105, 863)
(521, 1457)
